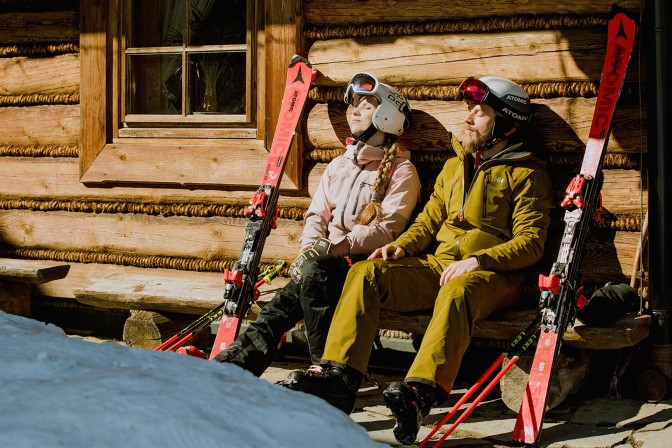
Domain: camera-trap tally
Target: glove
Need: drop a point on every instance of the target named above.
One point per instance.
(320, 247)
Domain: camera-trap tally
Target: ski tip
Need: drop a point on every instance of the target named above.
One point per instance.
(296, 59)
(615, 10)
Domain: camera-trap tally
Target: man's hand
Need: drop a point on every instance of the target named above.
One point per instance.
(457, 268)
(388, 251)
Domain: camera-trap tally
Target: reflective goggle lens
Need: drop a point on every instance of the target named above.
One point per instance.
(361, 84)
(473, 90)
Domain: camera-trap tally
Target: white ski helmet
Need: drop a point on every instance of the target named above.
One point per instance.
(393, 114)
(510, 102)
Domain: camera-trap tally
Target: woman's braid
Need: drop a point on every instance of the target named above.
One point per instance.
(373, 210)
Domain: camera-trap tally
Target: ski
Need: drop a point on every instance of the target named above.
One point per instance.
(239, 290)
(561, 294)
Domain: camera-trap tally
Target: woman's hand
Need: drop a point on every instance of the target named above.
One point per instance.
(458, 268)
(388, 251)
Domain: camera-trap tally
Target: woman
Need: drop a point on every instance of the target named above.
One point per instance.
(364, 200)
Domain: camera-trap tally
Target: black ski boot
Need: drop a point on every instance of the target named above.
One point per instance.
(410, 404)
(337, 386)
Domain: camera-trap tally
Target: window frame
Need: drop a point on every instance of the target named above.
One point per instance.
(234, 156)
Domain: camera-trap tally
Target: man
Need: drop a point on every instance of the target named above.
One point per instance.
(485, 222)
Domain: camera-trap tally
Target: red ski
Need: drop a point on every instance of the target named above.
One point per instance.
(243, 281)
(239, 290)
(561, 291)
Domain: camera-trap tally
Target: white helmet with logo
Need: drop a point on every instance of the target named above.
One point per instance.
(393, 114)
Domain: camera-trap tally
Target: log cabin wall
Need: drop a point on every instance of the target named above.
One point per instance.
(423, 47)
(426, 48)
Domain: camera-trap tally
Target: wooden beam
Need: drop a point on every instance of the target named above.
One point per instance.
(354, 12)
(55, 179)
(30, 75)
(624, 332)
(620, 191)
(563, 123)
(230, 162)
(283, 39)
(183, 292)
(22, 28)
(447, 59)
(40, 125)
(209, 238)
(31, 271)
(16, 278)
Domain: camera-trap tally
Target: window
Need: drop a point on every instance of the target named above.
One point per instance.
(187, 62)
(178, 91)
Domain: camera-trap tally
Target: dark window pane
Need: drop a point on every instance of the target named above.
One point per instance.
(217, 83)
(156, 23)
(154, 84)
(218, 22)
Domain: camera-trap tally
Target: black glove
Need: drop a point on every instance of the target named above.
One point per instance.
(320, 247)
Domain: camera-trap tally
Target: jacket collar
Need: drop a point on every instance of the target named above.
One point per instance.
(510, 153)
(361, 153)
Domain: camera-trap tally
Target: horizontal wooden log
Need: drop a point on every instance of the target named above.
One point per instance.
(624, 332)
(44, 27)
(207, 238)
(563, 125)
(40, 125)
(58, 179)
(447, 59)
(82, 274)
(181, 292)
(31, 271)
(621, 191)
(52, 75)
(146, 329)
(347, 12)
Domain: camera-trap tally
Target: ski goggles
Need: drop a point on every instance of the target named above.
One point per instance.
(473, 90)
(361, 84)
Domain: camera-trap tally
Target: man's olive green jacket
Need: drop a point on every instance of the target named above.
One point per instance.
(501, 217)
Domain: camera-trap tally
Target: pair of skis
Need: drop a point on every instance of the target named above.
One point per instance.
(241, 283)
(561, 290)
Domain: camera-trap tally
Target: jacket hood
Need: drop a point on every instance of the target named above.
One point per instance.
(361, 153)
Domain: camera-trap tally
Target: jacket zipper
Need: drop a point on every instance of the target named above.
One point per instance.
(347, 198)
(356, 203)
(452, 190)
(471, 184)
(486, 182)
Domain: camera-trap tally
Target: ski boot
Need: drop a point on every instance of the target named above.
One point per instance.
(338, 386)
(410, 404)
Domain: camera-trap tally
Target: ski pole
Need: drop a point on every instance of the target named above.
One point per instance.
(192, 328)
(186, 334)
(487, 390)
(514, 344)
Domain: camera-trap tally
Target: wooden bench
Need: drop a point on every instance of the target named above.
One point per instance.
(154, 298)
(16, 278)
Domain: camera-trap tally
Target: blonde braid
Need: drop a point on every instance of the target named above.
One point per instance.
(373, 210)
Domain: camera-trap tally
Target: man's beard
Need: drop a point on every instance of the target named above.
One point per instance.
(473, 144)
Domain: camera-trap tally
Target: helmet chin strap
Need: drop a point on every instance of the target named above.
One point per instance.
(364, 136)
